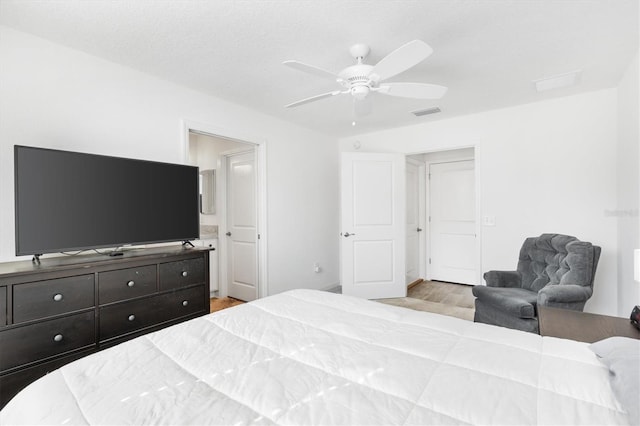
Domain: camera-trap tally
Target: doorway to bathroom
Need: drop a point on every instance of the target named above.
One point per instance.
(230, 215)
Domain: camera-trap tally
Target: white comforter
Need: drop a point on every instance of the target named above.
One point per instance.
(310, 357)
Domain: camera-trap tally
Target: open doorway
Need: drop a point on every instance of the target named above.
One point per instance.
(231, 210)
(441, 237)
(385, 197)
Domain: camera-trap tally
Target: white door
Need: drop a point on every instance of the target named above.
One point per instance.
(414, 224)
(452, 222)
(242, 233)
(373, 225)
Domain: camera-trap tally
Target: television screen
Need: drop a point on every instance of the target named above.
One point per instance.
(71, 201)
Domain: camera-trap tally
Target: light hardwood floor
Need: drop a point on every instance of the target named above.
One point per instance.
(439, 297)
(218, 304)
(448, 293)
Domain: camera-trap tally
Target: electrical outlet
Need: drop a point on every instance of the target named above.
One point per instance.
(316, 267)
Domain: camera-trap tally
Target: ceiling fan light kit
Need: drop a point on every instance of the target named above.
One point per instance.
(360, 80)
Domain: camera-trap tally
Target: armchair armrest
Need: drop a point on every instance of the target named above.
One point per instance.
(564, 295)
(503, 279)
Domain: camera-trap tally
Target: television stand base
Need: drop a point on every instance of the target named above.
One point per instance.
(187, 243)
(36, 258)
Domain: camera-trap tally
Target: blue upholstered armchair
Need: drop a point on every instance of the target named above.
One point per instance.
(553, 270)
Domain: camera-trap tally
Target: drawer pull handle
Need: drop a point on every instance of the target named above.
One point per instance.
(184, 273)
(57, 297)
(185, 302)
(131, 283)
(131, 317)
(57, 338)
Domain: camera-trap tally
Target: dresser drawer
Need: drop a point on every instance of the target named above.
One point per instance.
(127, 317)
(126, 284)
(3, 306)
(182, 303)
(23, 345)
(182, 273)
(43, 299)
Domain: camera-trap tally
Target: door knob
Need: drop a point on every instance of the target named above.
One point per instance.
(228, 234)
(419, 230)
(346, 234)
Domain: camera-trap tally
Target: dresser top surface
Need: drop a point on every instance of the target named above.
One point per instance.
(91, 260)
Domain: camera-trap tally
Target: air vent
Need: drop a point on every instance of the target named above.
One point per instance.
(558, 81)
(421, 112)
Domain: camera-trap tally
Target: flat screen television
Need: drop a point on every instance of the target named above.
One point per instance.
(68, 201)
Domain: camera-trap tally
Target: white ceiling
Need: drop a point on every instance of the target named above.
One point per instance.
(486, 51)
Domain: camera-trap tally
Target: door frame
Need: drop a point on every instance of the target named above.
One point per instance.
(422, 215)
(260, 144)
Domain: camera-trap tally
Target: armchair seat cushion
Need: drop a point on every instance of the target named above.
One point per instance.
(518, 302)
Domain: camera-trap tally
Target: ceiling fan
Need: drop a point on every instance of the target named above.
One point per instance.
(361, 80)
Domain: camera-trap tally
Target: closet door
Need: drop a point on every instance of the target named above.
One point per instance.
(452, 222)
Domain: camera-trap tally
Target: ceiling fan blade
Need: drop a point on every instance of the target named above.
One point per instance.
(362, 107)
(313, 99)
(401, 59)
(413, 90)
(310, 69)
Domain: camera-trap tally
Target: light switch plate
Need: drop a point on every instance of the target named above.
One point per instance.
(488, 221)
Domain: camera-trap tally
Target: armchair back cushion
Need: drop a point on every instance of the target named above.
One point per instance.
(553, 259)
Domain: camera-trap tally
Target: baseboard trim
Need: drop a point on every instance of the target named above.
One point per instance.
(415, 283)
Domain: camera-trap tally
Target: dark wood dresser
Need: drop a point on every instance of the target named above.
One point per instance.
(67, 307)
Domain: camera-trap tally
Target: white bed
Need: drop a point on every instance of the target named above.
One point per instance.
(310, 357)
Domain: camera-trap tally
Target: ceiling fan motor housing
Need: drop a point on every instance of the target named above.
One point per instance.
(357, 80)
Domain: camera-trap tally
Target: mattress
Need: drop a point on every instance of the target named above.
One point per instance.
(310, 357)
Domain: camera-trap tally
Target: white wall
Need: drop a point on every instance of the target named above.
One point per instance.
(52, 96)
(543, 167)
(627, 213)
